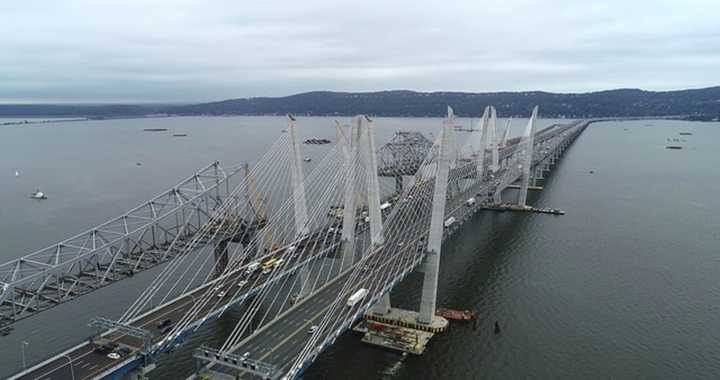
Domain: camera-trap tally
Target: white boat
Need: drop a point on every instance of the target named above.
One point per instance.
(307, 159)
(17, 173)
(38, 195)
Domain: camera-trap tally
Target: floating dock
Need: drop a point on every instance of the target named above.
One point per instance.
(517, 208)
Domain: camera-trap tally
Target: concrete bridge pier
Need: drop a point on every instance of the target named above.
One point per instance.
(497, 195)
(538, 175)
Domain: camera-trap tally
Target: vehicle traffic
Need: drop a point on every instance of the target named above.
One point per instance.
(356, 297)
(449, 221)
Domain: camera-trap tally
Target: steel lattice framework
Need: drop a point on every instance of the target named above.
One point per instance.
(403, 155)
(142, 238)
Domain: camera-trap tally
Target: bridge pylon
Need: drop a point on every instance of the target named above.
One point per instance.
(350, 146)
(299, 199)
(432, 259)
(492, 141)
(506, 134)
(480, 159)
(527, 157)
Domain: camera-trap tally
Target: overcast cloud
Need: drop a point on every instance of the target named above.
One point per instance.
(177, 50)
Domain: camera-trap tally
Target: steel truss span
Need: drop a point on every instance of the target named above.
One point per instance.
(148, 235)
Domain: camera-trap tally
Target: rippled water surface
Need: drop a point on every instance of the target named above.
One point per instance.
(624, 286)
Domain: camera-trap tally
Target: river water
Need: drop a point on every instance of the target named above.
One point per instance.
(623, 286)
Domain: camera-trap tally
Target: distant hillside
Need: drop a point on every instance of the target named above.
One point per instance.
(697, 104)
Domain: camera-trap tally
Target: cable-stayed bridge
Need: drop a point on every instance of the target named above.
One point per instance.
(293, 251)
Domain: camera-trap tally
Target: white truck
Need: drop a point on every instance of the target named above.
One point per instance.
(384, 206)
(252, 267)
(356, 297)
(470, 202)
(449, 221)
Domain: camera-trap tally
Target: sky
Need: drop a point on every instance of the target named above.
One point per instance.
(66, 51)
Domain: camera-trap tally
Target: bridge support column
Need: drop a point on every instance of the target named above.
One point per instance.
(298, 181)
(432, 257)
(299, 200)
(527, 158)
(221, 257)
(480, 160)
(399, 185)
(492, 141)
(373, 191)
(350, 202)
(383, 306)
(506, 134)
(373, 186)
(497, 195)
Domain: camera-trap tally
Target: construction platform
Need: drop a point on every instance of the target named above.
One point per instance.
(399, 330)
(456, 315)
(408, 319)
(394, 338)
(518, 208)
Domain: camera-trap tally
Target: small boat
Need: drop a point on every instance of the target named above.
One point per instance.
(307, 159)
(17, 173)
(38, 195)
(685, 134)
(673, 147)
(155, 129)
(179, 134)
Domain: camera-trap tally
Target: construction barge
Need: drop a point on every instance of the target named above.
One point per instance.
(455, 315)
(510, 207)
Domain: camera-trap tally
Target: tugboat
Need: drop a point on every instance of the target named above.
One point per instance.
(38, 195)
